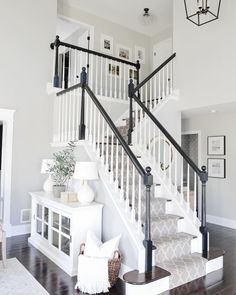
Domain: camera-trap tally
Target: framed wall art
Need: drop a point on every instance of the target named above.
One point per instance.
(139, 54)
(216, 168)
(106, 44)
(124, 52)
(216, 145)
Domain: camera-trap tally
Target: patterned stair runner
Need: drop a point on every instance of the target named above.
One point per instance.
(173, 248)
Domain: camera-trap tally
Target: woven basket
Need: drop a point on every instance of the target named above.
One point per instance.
(113, 265)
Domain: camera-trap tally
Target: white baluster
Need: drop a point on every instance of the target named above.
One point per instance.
(101, 80)
(112, 151)
(127, 186)
(182, 179)
(176, 167)
(94, 127)
(155, 91)
(91, 122)
(59, 132)
(170, 165)
(151, 94)
(69, 69)
(159, 87)
(75, 67)
(195, 196)
(115, 78)
(122, 176)
(159, 149)
(73, 116)
(164, 155)
(107, 150)
(136, 122)
(103, 139)
(117, 166)
(119, 77)
(77, 114)
(63, 68)
(91, 72)
(125, 86)
(188, 186)
(167, 80)
(133, 195)
(66, 118)
(69, 116)
(111, 77)
(146, 95)
(139, 204)
(98, 134)
(87, 100)
(163, 83)
(96, 75)
(106, 78)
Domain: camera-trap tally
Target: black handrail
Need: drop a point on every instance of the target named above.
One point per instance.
(154, 72)
(58, 43)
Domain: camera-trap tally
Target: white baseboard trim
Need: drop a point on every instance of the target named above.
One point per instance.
(21, 229)
(231, 223)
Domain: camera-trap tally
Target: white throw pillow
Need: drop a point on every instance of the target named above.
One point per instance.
(95, 248)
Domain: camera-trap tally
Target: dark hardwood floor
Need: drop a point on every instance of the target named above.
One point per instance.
(57, 282)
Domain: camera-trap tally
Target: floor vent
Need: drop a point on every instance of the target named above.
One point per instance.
(25, 216)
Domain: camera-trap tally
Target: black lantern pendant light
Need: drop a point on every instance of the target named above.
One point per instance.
(201, 12)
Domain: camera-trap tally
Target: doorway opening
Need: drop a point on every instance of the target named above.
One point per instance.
(192, 147)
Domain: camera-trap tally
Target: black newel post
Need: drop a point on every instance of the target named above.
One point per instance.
(203, 228)
(138, 75)
(130, 92)
(148, 182)
(55, 46)
(83, 81)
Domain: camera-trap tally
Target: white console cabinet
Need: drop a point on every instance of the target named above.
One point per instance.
(58, 228)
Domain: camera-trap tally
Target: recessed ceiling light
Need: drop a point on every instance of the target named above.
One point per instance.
(213, 111)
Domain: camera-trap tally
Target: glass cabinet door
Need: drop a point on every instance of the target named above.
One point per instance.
(65, 245)
(65, 225)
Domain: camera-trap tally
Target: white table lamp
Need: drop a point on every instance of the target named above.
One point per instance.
(85, 171)
(48, 184)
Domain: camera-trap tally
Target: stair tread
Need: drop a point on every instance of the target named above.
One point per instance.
(166, 217)
(183, 261)
(173, 238)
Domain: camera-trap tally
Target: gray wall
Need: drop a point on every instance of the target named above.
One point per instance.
(120, 34)
(221, 193)
(28, 27)
(206, 57)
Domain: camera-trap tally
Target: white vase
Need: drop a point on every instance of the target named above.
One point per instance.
(85, 193)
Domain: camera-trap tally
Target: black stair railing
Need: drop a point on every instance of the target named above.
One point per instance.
(141, 113)
(157, 85)
(96, 110)
(107, 75)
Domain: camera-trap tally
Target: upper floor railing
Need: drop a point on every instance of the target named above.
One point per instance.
(107, 75)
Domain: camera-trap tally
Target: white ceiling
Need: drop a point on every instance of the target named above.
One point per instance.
(127, 12)
(209, 110)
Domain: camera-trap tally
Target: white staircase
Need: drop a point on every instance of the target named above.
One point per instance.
(174, 220)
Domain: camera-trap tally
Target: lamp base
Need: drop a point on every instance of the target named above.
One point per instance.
(85, 193)
(48, 184)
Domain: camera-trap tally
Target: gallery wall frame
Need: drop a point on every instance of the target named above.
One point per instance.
(216, 145)
(124, 52)
(216, 167)
(106, 44)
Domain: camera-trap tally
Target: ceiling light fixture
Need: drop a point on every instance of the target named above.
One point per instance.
(146, 18)
(201, 12)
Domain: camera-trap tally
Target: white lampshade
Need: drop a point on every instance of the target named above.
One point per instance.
(46, 163)
(86, 171)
